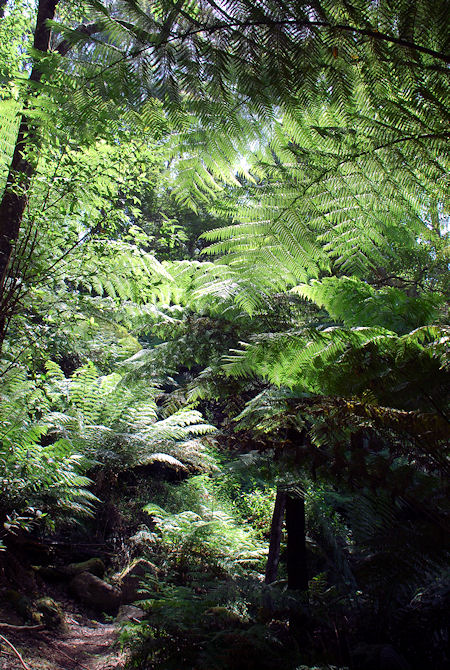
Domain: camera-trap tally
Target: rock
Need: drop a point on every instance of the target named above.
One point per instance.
(129, 613)
(53, 573)
(95, 593)
(129, 580)
(94, 565)
(51, 613)
(20, 604)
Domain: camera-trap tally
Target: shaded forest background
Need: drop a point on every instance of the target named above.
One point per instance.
(223, 321)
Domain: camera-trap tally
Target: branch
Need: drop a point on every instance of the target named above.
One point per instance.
(85, 29)
(17, 629)
(352, 157)
(374, 34)
(26, 667)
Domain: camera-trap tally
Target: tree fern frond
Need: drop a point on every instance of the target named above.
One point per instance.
(354, 302)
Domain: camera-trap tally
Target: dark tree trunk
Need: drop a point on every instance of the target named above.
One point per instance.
(275, 537)
(21, 172)
(296, 566)
(2, 8)
(296, 543)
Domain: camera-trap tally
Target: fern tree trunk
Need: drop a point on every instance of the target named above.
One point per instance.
(21, 172)
(276, 528)
(296, 543)
(297, 564)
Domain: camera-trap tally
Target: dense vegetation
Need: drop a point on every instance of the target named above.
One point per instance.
(223, 318)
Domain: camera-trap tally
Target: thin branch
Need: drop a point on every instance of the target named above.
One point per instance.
(301, 23)
(12, 628)
(25, 667)
(76, 244)
(352, 157)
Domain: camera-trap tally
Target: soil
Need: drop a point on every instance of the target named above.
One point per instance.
(86, 644)
(89, 642)
(90, 646)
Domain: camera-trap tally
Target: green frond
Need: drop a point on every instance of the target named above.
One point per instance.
(350, 361)
(354, 302)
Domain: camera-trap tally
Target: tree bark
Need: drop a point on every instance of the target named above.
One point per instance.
(21, 172)
(276, 527)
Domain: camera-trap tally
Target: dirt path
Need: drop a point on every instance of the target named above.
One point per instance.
(86, 645)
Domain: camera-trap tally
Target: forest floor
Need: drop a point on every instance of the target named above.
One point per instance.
(89, 641)
(88, 645)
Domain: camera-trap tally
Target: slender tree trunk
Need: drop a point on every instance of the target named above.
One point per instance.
(296, 543)
(21, 172)
(275, 536)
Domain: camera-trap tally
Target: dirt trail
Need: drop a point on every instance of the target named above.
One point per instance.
(86, 645)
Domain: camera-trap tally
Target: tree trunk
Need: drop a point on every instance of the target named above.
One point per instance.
(275, 537)
(296, 543)
(21, 172)
(296, 566)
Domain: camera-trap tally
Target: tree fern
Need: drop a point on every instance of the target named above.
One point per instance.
(333, 194)
(356, 303)
(348, 361)
(383, 75)
(39, 483)
(103, 415)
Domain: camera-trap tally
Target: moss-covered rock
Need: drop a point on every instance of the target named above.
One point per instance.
(94, 565)
(95, 593)
(51, 613)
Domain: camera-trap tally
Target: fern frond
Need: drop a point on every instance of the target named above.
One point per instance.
(354, 302)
